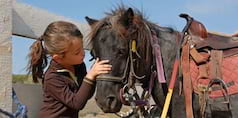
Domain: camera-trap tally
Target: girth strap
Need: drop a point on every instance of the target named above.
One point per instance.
(187, 84)
(216, 63)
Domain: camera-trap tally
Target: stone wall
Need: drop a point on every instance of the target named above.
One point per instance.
(5, 55)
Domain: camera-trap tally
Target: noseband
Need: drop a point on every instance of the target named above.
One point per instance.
(114, 78)
(130, 61)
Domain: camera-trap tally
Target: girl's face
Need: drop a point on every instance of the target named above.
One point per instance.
(74, 55)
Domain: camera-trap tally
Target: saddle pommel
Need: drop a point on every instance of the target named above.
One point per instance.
(196, 28)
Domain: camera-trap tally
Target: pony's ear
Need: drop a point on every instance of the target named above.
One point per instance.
(91, 21)
(235, 34)
(127, 18)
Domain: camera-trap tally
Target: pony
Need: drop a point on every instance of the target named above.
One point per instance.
(110, 39)
(125, 37)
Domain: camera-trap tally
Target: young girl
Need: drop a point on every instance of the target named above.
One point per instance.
(66, 84)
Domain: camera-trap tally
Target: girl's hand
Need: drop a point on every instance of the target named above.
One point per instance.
(99, 67)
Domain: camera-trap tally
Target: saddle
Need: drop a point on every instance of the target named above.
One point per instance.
(209, 64)
(213, 40)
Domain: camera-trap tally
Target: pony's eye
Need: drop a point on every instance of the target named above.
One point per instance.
(121, 52)
(102, 39)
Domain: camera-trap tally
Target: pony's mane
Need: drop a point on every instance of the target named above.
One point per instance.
(111, 17)
(122, 8)
(114, 14)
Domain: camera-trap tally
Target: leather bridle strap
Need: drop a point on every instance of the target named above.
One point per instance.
(132, 70)
(114, 78)
(158, 58)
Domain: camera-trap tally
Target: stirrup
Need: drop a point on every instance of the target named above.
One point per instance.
(223, 86)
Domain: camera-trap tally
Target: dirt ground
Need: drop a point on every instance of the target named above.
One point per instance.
(91, 110)
(31, 96)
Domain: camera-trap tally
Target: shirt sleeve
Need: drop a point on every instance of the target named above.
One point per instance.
(92, 91)
(60, 91)
(81, 72)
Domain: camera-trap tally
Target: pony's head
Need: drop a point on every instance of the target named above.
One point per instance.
(114, 38)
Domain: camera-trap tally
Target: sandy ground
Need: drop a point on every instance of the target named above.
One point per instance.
(91, 110)
(31, 96)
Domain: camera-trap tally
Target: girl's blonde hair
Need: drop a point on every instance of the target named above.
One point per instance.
(55, 40)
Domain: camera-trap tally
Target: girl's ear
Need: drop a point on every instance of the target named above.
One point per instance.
(57, 57)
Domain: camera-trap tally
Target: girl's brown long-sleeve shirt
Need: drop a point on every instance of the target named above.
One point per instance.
(62, 97)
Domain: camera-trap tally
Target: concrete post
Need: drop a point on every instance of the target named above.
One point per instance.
(5, 55)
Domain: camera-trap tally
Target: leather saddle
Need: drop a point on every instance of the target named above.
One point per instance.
(203, 45)
(203, 38)
(208, 64)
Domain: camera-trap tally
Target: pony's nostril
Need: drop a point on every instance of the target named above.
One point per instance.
(111, 102)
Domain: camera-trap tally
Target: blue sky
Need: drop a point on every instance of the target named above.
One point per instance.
(216, 15)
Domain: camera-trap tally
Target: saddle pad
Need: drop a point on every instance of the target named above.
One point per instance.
(229, 74)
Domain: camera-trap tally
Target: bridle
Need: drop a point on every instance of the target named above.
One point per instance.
(114, 78)
(128, 93)
(128, 68)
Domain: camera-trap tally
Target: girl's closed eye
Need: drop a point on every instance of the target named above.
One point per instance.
(77, 52)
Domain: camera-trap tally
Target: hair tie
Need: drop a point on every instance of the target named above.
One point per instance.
(40, 38)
